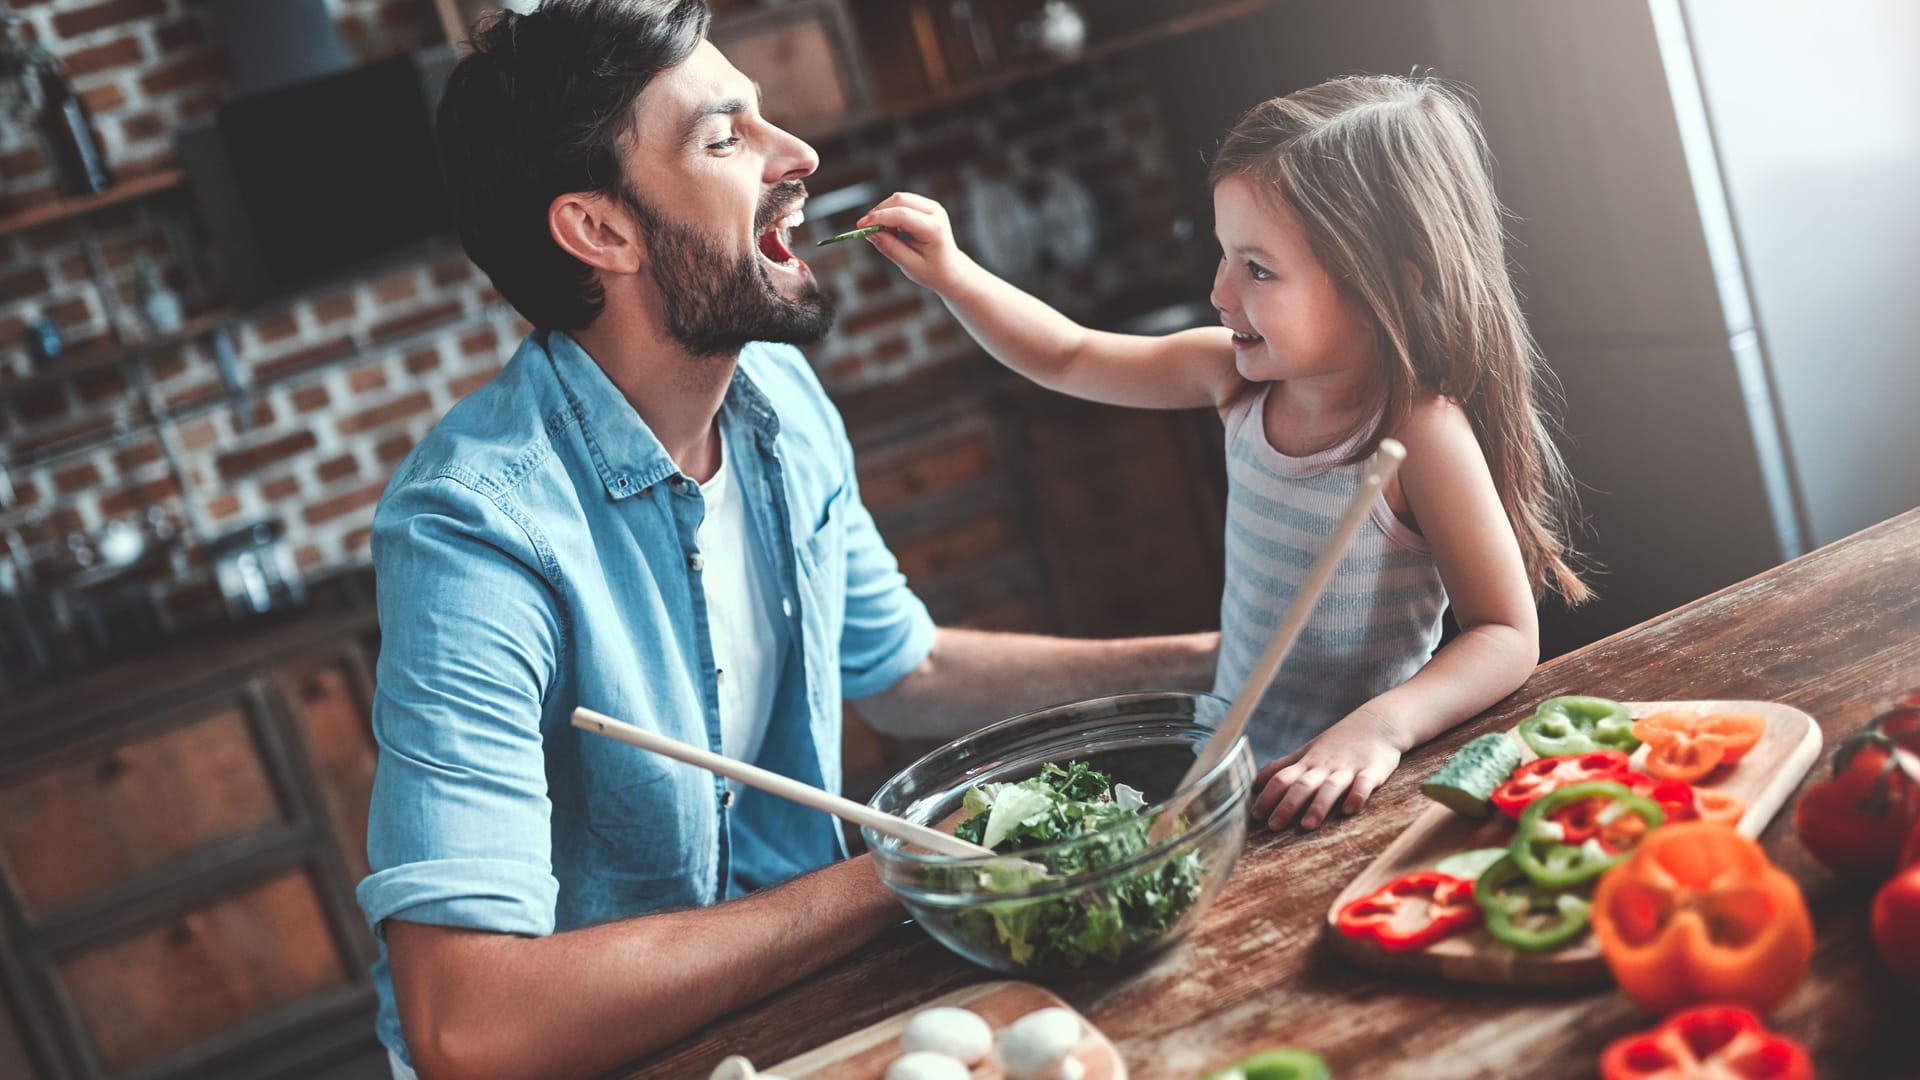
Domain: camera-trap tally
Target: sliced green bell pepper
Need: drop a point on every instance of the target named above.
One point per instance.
(1578, 725)
(1285, 1063)
(1538, 844)
(1525, 915)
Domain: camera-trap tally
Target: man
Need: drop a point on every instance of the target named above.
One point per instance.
(652, 512)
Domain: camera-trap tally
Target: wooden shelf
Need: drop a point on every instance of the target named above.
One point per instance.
(137, 187)
(35, 455)
(110, 353)
(1096, 50)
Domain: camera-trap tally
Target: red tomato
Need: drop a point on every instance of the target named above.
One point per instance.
(1910, 853)
(1856, 821)
(1896, 923)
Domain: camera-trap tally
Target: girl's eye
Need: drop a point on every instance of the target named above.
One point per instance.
(1258, 272)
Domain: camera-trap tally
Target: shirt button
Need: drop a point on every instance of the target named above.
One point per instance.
(786, 606)
(720, 677)
(696, 561)
(726, 801)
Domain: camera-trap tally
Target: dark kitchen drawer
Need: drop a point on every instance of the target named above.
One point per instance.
(85, 822)
(330, 696)
(241, 962)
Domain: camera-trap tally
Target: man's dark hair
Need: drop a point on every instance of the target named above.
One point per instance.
(540, 108)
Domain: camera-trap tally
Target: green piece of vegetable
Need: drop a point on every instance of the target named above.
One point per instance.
(1526, 915)
(1099, 924)
(1285, 1063)
(1470, 864)
(1578, 725)
(1537, 844)
(1466, 782)
(854, 235)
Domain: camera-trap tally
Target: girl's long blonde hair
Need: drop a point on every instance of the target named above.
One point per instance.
(1385, 172)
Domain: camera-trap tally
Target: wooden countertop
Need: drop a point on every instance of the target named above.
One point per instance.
(1836, 633)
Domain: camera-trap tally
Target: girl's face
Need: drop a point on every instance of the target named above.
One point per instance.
(1290, 318)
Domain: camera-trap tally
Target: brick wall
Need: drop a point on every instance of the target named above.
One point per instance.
(349, 378)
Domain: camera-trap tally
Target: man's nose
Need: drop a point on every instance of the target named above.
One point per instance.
(791, 158)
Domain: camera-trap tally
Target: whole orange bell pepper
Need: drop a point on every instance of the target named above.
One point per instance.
(1698, 914)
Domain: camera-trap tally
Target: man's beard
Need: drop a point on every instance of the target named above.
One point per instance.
(715, 304)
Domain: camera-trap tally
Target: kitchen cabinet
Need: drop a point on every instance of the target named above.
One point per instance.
(179, 841)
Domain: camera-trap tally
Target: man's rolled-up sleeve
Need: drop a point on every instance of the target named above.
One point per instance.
(458, 831)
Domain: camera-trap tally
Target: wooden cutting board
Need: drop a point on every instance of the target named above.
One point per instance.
(865, 1054)
(1764, 779)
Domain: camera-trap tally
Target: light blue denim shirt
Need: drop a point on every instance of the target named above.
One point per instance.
(537, 551)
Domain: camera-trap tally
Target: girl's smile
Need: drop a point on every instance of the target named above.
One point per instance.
(1290, 318)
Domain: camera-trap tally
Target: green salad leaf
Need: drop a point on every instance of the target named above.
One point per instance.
(1074, 802)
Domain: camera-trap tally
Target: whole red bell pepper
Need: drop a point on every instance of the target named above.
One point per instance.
(1388, 916)
(1712, 1042)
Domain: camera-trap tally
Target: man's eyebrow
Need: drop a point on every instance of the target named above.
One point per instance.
(723, 107)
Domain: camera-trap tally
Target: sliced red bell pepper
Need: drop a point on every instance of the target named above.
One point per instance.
(1579, 821)
(1676, 797)
(1535, 778)
(1388, 916)
(1712, 1042)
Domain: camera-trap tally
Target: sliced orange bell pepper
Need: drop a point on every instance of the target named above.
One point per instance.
(1688, 745)
(1712, 804)
(1698, 914)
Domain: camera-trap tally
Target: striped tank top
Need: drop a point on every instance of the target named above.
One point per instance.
(1374, 627)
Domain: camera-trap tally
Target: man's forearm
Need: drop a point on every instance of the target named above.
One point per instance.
(582, 1002)
(973, 677)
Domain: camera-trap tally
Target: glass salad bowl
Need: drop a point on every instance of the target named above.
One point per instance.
(1107, 898)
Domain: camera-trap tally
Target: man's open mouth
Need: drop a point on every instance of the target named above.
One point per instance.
(773, 240)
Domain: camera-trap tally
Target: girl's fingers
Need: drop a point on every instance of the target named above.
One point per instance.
(918, 202)
(1277, 785)
(1296, 799)
(891, 246)
(1363, 788)
(1335, 786)
(901, 217)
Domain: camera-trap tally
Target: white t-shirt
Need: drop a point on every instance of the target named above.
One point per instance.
(742, 617)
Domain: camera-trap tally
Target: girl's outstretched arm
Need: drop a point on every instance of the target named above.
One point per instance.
(1179, 371)
(1450, 493)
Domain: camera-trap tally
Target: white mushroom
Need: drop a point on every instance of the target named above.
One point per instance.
(735, 1068)
(927, 1065)
(1037, 1045)
(957, 1033)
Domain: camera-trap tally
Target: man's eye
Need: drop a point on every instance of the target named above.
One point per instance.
(1258, 272)
(727, 143)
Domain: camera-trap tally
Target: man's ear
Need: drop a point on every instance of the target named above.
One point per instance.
(597, 230)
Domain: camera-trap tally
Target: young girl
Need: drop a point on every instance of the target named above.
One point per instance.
(1363, 293)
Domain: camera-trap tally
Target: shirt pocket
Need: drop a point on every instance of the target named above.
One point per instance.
(823, 570)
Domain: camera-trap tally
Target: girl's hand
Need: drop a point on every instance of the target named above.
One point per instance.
(919, 240)
(1350, 759)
